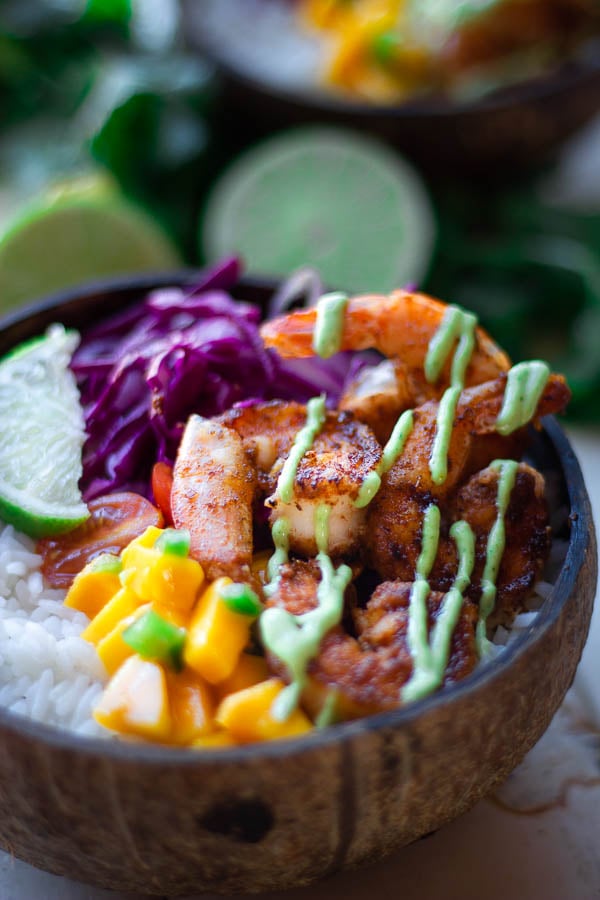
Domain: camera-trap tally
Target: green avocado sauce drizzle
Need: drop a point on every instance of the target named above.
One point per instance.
(524, 387)
(281, 538)
(328, 712)
(457, 325)
(507, 469)
(417, 610)
(329, 326)
(391, 452)
(315, 419)
(432, 656)
(295, 640)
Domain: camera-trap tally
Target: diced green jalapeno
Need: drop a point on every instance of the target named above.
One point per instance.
(175, 541)
(384, 47)
(156, 639)
(106, 562)
(241, 599)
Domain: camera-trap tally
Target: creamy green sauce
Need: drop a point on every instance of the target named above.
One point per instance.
(507, 469)
(391, 452)
(329, 326)
(438, 461)
(315, 419)
(524, 387)
(281, 538)
(416, 634)
(430, 674)
(457, 325)
(295, 640)
(328, 714)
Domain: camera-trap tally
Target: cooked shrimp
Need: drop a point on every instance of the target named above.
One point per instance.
(213, 486)
(367, 671)
(395, 515)
(331, 471)
(378, 394)
(527, 538)
(400, 325)
(366, 660)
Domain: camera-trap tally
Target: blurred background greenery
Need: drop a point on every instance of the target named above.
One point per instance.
(104, 92)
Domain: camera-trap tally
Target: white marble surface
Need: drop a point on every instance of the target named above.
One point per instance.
(536, 838)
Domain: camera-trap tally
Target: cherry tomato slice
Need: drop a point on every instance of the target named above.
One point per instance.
(162, 482)
(115, 520)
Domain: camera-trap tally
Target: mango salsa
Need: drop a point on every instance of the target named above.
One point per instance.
(192, 707)
(112, 649)
(247, 715)
(123, 604)
(95, 585)
(135, 701)
(168, 580)
(249, 670)
(216, 635)
(174, 648)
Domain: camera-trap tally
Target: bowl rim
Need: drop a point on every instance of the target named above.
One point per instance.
(581, 534)
(582, 64)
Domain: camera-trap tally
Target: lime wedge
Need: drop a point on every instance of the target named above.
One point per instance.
(77, 232)
(42, 436)
(327, 198)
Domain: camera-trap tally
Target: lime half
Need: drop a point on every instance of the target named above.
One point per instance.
(327, 198)
(42, 436)
(78, 232)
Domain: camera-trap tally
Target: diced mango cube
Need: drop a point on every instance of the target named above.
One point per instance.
(249, 670)
(216, 635)
(112, 649)
(169, 582)
(172, 614)
(215, 739)
(135, 701)
(192, 706)
(95, 585)
(146, 541)
(123, 604)
(139, 561)
(247, 715)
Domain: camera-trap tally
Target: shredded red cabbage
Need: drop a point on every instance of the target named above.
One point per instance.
(142, 372)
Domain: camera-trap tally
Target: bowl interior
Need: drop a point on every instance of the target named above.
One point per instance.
(285, 813)
(550, 452)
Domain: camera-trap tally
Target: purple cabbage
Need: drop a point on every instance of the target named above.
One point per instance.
(142, 372)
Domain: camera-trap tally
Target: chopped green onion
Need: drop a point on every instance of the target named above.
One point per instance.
(106, 562)
(156, 639)
(174, 541)
(241, 599)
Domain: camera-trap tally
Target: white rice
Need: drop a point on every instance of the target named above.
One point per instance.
(47, 671)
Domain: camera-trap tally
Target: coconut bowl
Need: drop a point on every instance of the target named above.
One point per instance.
(494, 135)
(137, 817)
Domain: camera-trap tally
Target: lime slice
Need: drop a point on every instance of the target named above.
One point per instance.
(79, 231)
(327, 198)
(42, 436)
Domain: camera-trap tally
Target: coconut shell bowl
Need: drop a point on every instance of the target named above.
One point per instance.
(148, 818)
